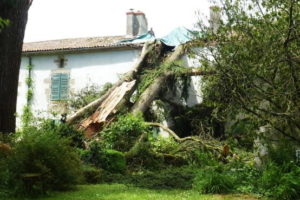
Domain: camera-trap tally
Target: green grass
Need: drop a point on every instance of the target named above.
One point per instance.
(122, 192)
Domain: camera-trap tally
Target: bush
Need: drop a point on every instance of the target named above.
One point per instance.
(42, 161)
(122, 134)
(91, 174)
(213, 180)
(142, 157)
(176, 178)
(114, 161)
(65, 130)
(281, 182)
(108, 159)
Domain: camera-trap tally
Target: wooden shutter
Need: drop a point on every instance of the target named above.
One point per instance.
(59, 86)
(55, 87)
(64, 86)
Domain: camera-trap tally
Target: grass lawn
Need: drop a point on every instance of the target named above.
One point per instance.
(122, 192)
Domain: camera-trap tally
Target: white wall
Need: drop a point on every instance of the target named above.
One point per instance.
(85, 68)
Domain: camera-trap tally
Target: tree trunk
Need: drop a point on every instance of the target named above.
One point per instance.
(153, 90)
(11, 40)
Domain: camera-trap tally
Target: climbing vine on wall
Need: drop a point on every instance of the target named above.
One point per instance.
(27, 111)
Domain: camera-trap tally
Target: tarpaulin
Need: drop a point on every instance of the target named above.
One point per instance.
(176, 37)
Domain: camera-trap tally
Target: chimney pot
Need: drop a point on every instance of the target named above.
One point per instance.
(136, 23)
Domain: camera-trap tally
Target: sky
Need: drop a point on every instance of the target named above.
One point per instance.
(60, 19)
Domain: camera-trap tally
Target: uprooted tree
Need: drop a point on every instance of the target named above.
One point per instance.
(146, 83)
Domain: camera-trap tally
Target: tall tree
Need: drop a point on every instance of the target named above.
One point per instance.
(11, 40)
(256, 59)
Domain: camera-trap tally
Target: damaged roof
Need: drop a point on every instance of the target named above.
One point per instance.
(107, 42)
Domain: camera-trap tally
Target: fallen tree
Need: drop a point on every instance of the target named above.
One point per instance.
(154, 58)
(147, 49)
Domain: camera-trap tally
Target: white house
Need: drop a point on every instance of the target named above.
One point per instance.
(63, 66)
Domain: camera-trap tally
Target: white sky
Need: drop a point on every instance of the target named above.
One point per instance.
(58, 19)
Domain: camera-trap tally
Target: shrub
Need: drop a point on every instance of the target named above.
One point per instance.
(114, 161)
(176, 178)
(213, 180)
(201, 158)
(65, 130)
(91, 174)
(122, 134)
(143, 157)
(282, 153)
(163, 145)
(281, 182)
(42, 161)
(108, 159)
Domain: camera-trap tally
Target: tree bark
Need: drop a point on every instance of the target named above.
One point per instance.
(11, 40)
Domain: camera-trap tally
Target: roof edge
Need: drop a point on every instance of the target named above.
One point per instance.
(81, 49)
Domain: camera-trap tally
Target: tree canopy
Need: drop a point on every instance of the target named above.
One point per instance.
(255, 55)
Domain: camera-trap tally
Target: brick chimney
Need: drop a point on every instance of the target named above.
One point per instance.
(136, 23)
(215, 18)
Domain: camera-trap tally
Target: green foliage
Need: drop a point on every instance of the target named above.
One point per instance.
(161, 144)
(41, 161)
(150, 75)
(213, 180)
(27, 115)
(115, 161)
(282, 152)
(281, 182)
(92, 175)
(64, 130)
(170, 178)
(122, 134)
(142, 157)
(255, 61)
(200, 158)
(107, 159)
(244, 131)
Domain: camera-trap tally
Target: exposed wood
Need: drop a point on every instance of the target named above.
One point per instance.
(108, 106)
(148, 47)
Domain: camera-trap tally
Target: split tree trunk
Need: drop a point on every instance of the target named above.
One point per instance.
(11, 40)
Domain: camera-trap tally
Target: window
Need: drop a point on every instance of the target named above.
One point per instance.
(59, 86)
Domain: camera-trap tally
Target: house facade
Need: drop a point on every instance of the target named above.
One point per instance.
(61, 67)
